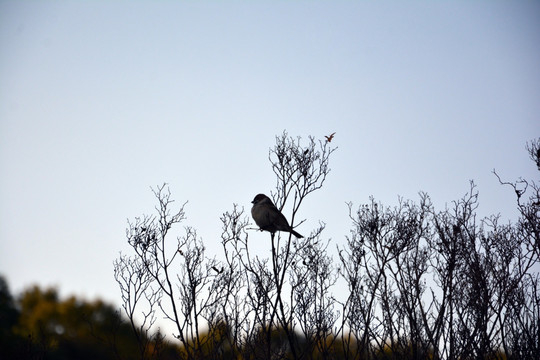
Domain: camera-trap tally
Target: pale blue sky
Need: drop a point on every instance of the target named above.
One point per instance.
(101, 100)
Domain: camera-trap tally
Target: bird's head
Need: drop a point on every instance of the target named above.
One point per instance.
(261, 198)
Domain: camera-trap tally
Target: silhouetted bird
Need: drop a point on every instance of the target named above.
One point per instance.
(268, 217)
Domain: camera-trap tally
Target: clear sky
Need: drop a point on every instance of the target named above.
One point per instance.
(100, 100)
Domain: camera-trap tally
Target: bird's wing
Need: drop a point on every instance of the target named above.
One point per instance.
(278, 220)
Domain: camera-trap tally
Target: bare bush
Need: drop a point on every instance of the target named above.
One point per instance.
(416, 283)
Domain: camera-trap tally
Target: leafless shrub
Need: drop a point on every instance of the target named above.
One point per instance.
(420, 283)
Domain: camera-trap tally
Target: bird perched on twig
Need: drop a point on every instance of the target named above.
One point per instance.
(268, 217)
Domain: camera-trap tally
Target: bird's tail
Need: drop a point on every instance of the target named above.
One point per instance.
(296, 234)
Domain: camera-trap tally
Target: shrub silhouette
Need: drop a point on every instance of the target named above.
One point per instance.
(421, 283)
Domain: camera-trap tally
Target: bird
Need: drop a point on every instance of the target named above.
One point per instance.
(268, 217)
